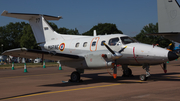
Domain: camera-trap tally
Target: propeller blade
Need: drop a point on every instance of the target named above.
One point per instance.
(170, 44)
(122, 49)
(109, 48)
(168, 48)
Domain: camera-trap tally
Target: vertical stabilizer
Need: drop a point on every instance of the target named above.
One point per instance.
(37, 27)
(42, 30)
(168, 16)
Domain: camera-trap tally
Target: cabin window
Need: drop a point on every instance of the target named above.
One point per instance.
(102, 43)
(85, 44)
(77, 44)
(94, 43)
(113, 41)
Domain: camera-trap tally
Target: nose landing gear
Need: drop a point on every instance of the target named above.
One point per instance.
(144, 77)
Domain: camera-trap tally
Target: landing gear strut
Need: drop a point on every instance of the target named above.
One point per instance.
(165, 67)
(126, 71)
(144, 77)
(75, 76)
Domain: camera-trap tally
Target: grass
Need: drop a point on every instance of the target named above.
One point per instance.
(29, 65)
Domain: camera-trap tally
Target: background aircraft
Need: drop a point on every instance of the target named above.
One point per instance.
(168, 19)
(89, 52)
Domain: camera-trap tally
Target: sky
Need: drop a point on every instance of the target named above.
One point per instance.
(130, 16)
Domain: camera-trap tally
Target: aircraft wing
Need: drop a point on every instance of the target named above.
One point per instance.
(31, 53)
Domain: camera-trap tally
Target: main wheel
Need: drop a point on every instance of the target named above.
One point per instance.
(75, 76)
(143, 77)
(127, 73)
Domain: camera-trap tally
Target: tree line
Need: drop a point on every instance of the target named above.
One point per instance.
(153, 28)
(20, 34)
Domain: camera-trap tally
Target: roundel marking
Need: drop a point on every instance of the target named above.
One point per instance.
(62, 46)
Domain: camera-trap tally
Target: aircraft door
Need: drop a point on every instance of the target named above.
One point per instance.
(94, 43)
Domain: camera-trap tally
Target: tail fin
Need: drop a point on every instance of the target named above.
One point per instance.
(168, 16)
(41, 29)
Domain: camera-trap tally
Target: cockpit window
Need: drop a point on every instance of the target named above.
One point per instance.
(127, 40)
(113, 41)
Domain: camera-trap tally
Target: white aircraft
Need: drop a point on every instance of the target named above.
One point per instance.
(89, 52)
(168, 19)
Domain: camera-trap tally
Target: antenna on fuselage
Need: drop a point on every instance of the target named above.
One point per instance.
(94, 33)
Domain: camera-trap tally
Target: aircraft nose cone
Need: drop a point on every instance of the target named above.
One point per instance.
(172, 56)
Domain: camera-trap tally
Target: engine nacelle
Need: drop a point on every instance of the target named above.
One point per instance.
(112, 56)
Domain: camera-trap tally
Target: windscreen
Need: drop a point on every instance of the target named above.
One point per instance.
(127, 40)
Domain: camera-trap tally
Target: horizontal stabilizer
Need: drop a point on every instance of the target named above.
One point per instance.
(41, 29)
(31, 53)
(27, 16)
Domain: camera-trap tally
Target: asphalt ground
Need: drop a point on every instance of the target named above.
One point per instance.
(45, 84)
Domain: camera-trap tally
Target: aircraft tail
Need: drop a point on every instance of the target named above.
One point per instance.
(41, 29)
(168, 16)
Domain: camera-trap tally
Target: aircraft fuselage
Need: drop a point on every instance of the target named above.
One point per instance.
(91, 48)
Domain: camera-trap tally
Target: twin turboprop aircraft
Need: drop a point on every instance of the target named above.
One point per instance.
(89, 52)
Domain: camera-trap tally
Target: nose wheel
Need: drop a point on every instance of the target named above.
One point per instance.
(144, 77)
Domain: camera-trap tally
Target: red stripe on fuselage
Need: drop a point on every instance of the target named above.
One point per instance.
(135, 55)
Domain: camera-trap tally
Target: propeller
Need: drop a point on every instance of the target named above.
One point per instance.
(169, 46)
(108, 48)
(116, 55)
(122, 49)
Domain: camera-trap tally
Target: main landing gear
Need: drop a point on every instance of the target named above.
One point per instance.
(75, 76)
(126, 71)
(144, 77)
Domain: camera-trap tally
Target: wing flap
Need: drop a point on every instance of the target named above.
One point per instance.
(31, 53)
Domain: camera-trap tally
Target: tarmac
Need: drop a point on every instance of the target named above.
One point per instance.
(45, 84)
